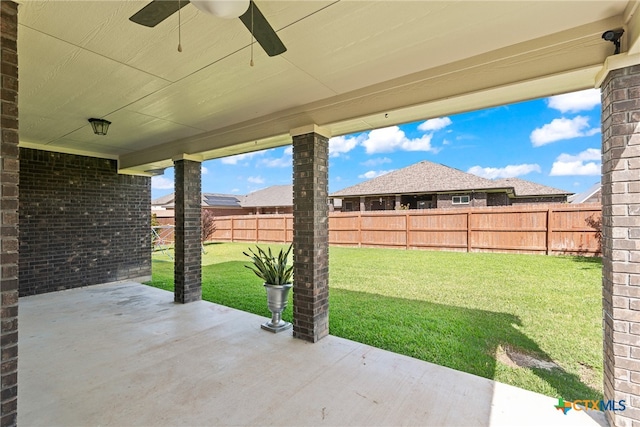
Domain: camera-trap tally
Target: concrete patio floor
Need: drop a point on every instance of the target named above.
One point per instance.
(125, 355)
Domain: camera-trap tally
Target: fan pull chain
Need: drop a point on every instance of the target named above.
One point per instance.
(251, 6)
(179, 28)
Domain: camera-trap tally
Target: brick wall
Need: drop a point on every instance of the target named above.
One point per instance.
(497, 199)
(445, 201)
(9, 174)
(530, 200)
(81, 223)
(621, 242)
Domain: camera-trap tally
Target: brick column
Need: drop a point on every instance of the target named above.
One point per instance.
(621, 242)
(9, 174)
(188, 255)
(310, 234)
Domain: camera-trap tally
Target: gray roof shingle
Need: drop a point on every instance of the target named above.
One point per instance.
(429, 177)
(527, 188)
(420, 177)
(276, 195)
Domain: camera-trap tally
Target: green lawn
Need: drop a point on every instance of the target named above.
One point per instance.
(476, 312)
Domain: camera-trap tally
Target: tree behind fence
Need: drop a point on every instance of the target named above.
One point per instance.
(537, 229)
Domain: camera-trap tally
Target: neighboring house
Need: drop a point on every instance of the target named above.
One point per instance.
(219, 204)
(530, 192)
(427, 185)
(276, 199)
(590, 195)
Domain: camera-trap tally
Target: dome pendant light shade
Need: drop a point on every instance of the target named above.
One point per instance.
(227, 9)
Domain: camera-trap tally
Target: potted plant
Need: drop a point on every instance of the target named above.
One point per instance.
(277, 277)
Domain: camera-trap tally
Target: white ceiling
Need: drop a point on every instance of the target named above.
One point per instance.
(350, 66)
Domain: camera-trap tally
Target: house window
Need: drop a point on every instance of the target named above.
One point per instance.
(348, 206)
(460, 200)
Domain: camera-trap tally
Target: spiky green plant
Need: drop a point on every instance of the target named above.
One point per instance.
(273, 270)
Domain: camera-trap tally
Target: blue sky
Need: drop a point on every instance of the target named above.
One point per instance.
(552, 141)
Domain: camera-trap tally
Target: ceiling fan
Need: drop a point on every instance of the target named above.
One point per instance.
(159, 10)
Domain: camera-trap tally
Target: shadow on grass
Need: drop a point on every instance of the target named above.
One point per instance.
(464, 339)
(594, 260)
(459, 338)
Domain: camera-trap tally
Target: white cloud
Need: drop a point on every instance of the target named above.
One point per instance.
(256, 180)
(343, 144)
(280, 162)
(204, 170)
(562, 128)
(577, 101)
(392, 138)
(233, 160)
(161, 183)
(434, 124)
(235, 190)
(509, 171)
(586, 162)
(374, 174)
(588, 154)
(376, 162)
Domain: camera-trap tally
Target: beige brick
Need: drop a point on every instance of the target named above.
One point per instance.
(625, 176)
(630, 364)
(632, 150)
(621, 314)
(627, 386)
(621, 374)
(618, 255)
(623, 327)
(616, 419)
(624, 221)
(624, 338)
(619, 231)
(620, 302)
(622, 350)
(626, 267)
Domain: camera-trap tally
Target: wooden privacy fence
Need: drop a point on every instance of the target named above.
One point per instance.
(537, 229)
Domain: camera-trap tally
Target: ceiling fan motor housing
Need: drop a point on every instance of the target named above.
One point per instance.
(227, 9)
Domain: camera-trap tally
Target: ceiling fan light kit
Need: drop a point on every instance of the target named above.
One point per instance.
(227, 9)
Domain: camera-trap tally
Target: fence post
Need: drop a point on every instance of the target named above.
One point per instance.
(360, 229)
(408, 230)
(469, 231)
(232, 220)
(549, 231)
(284, 228)
(257, 229)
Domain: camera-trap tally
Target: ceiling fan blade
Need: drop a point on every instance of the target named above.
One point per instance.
(262, 31)
(157, 11)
